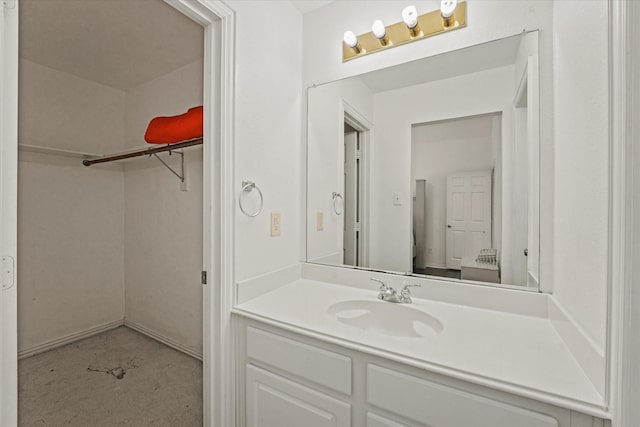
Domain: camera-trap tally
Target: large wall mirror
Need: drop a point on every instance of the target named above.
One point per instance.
(430, 167)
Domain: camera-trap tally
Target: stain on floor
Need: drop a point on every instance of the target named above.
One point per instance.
(117, 378)
(117, 372)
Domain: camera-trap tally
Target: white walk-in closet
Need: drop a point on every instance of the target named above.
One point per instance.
(110, 255)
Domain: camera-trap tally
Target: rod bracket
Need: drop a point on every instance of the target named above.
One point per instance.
(179, 175)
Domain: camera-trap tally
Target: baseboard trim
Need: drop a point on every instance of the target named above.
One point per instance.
(68, 339)
(164, 340)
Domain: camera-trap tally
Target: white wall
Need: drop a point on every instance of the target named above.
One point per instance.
(163, 225)
(60, 110)
(326, 105)
(268, 133)
(71, 218)
(439, 150)
(394, 114)
(168, 95)
(581, 164)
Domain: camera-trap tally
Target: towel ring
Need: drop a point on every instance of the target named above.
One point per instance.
(335, 196)
(247, 187)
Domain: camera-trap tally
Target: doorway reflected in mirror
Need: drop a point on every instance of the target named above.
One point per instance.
(457, 200)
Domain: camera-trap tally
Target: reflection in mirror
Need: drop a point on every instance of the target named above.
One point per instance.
(430, 167)
(457, 197)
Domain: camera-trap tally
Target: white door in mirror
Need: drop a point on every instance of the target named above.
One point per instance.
(468, 216)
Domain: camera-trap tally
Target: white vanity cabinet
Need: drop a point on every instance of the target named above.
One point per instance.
(288, 379)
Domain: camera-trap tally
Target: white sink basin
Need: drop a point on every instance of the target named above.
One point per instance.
(400, 320)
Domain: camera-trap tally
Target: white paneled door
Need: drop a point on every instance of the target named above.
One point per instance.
(8, 212)
(468, 216)
(273, 401)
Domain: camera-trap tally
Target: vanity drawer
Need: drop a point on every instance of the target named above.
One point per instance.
(441, 406)
(311, 363)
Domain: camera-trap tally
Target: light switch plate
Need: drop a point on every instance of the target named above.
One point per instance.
(397, 198)
(319, 221)
(276, 225)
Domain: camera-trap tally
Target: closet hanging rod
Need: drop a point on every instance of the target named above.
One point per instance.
(143, 152)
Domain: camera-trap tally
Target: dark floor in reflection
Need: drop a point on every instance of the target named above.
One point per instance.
(441, 272)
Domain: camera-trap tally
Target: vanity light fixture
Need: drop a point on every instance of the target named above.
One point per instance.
(447, 10)
(451, 16)
(380, 32)
(410, 17)
(351, 40)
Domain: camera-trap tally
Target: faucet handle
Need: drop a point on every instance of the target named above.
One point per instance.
(406, 291)
(383, 286)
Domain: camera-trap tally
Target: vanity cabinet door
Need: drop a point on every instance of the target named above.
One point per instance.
(273, 401)
(437, 405)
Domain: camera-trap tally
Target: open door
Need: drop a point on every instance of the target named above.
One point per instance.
(8, 212)
(527, 107)
(351, 195)
(533, 139)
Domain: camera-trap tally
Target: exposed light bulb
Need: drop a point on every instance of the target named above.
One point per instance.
(410, 16)
(350, 39)
(447, 7)
(378, 29)
(380, 32)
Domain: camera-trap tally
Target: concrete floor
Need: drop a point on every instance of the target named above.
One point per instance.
(117, 378)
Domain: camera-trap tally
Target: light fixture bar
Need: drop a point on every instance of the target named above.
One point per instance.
(430, 24)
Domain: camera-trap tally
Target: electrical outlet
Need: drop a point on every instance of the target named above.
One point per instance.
(276, 225)
(319, 221)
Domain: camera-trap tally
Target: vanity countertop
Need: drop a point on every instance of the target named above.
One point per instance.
(519, 354)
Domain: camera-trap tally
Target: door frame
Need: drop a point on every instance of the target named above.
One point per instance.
(351, 116)
(218, 21)
(9, 210)
(622, 320)
(218, 365)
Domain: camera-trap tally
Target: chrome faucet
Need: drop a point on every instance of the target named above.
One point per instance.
(389, 294)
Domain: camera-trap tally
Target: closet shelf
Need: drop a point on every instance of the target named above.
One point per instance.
(54, 151)
(143, 152)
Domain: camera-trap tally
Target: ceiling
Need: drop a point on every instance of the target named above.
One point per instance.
(118, 43)
(469, 60)
(306, 6)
